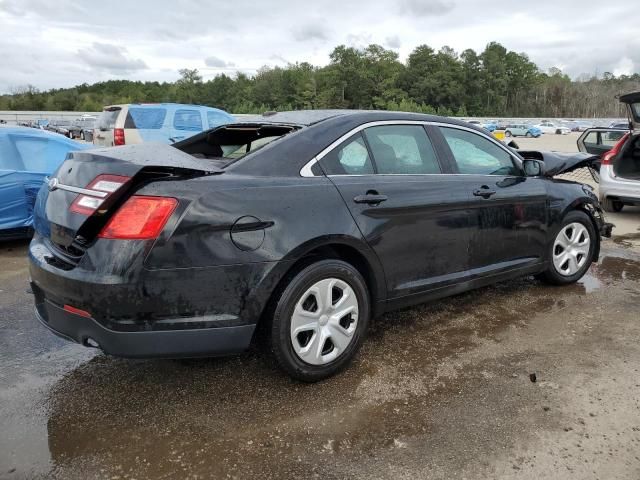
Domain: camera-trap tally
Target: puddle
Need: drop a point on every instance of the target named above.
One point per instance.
(630, 240)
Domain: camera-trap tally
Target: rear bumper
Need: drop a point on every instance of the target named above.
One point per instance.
(618, 188)
(143, 344)
(183, 312)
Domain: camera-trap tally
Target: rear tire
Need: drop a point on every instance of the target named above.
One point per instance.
(612, 206)
(571, 252)
(315, 336)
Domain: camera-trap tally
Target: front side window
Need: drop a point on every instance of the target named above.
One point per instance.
(351, 157)
(477, 155)
(402, 149)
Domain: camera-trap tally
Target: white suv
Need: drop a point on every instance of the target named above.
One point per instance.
(620, 152)
(154, 122)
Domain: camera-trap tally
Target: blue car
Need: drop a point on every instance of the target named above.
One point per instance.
(522, 130)
(27, 156)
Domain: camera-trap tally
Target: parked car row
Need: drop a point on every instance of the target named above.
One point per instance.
(81, 127)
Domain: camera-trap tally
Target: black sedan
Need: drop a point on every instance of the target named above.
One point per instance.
(308, 224)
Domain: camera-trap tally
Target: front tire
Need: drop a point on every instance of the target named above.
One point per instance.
(507, 133)
(571, 252)
(320, 320)
(528, 135)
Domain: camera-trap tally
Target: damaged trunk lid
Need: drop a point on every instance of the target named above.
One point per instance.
(91, 184)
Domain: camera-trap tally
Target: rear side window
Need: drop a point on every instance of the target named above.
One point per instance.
(215, 119)
(189, 120)
(145, 118)
(477, 155)
(107, 119)
(351, 157)
(402, 149)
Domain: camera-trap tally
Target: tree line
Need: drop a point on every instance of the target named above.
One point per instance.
(494, 83)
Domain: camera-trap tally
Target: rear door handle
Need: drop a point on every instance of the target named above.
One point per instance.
(484, 192)
(370, 198)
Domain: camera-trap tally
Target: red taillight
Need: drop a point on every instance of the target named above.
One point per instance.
(118, 136)
(87, 204)
(607, 158)
(77, 311)
(140, 218)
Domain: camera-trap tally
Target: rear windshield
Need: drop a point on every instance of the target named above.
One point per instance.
(234, 141)
(145, 118)
(107, 119)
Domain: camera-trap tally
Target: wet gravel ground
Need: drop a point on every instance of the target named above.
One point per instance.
(444, 390)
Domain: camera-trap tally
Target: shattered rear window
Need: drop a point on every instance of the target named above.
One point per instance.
(234, 141)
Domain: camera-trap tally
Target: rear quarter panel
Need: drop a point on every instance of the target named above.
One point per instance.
(294, 210)
(298, 214)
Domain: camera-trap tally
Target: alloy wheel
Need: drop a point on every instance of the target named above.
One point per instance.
(571, 249)
(324, 321)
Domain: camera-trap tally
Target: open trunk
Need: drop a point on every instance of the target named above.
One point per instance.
(627, 163)
(90, 186)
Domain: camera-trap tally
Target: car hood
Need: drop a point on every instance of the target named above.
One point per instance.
(556, 163)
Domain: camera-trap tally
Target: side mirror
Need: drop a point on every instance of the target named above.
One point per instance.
(533, 168)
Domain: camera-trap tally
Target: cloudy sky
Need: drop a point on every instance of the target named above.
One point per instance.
(61, 43)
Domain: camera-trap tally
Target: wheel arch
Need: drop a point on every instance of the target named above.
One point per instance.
(594, 212)
(341, 247)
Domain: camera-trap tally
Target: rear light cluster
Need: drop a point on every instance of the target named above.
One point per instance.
(607, 158)
(118, 136)
(107, 184)
(140, 218)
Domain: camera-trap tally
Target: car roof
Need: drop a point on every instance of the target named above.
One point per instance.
(311, 117)
(161, 104)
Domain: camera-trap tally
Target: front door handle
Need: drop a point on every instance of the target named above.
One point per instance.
(484, 191)
(371, 198)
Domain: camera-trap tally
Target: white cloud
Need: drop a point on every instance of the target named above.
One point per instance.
(110, 58)
(624, 67)
(64, 43)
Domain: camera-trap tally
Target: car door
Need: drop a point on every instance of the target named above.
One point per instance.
(598, 141)
(509, 220)
(409, 213)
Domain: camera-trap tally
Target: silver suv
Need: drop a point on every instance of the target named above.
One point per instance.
(620, 152)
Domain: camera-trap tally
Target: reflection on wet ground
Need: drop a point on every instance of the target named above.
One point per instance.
(433, 389)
